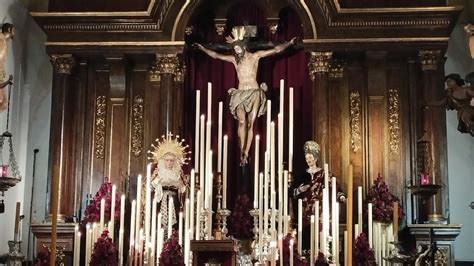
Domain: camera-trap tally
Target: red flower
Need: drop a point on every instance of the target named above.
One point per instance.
(241, 222)
(105, 252)
(363, 254)
(297, 259)
(382, 200)
(92, 213)
(172, 253)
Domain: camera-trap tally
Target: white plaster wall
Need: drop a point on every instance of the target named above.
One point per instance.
(29, 118)
(461, 146)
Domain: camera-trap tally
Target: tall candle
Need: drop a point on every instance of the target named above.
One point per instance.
(208, 146)
(312, 232)
(346, 248)
(138, 221)
(300, 225)
(170, 216)
(153, 231)
(102, 215)
(198, 215)
(269, 120)
(272, 160)
(282, 95)
(334, 215)
(132, 225)
(265, 191)
(180, 228)
(291, 252)
(196, 131)
(160, 234)
(209, 233)
(191, 207)
(280, 248)
(336, 235)
(285, 202)
(209, 101)
(224, 174)
(260, 209)
(316, 220)
(219, 139)
(280, 143)
(370, 225)
(290, 131)
(359, 208)
(202, 150)
(122, 228)
(349, 214)
(256, 171)
(326, 175)
(88, 242)
(112, 213)
(147, 204)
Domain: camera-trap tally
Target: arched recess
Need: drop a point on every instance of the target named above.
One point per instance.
(180, 16)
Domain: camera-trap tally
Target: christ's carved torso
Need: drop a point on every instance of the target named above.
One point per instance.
(247, 71)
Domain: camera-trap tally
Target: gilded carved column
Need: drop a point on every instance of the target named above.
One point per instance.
(319, 65)
(168, 71)
(433, 125)
(61, 136)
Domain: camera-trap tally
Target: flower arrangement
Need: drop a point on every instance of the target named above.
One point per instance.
(105, 252)
(92, 213)
(382, 200)
(298, 260)
(321, 260)
(45, 255)
(241, 222)
(172, 253)
(363, 254)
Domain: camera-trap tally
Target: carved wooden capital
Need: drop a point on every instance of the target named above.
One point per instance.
(319, 62)
(165, 64)
(63, 63)
(429, 59)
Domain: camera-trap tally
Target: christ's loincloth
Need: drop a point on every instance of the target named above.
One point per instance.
(246, 98)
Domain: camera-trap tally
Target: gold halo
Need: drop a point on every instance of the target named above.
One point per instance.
(169, 144)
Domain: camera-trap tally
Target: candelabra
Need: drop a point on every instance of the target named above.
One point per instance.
(223, 214)
(256, 246)
(205, 224)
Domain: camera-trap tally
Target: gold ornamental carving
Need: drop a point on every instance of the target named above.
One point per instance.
(394, 120)
(319, 62)
(441, 256)
(164, 64)
(63, 63)
(336, 69)
(137, 125)
(354, 121)
(99, 129)
(429, 59)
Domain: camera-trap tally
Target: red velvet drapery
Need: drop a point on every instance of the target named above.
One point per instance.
(292, 66)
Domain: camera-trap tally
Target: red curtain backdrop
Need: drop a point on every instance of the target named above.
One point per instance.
(292, 66)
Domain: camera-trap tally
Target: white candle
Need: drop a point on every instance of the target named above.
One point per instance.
(219, 139)
(325, 218)
(256, 171)
(326, 175)
(132, 226)
(345, 247)
(77, 245)
(88, 242)
(280, 248)
(290, 131)
(160, 235)
(147, 204)
(138, 221)
(336, 236)
(153, 232)
(260, 209)
(202, 159)
(265, 200)
(356, 231)
(300, 225)
(269, 120)
(312, 249)
(285, 202)
(170, 216)
(272, 162)
(208, 197)
(122, 229)
(316, 220)
(112, 213)
(273, 218)
(208, 146)
(224, 174)
(198, 215)
(282, 95)
(191, 208)
(359, 209)
(370, 225)
(209, 233)
(196, 129)
(102, 215)
(291, 252)
(187, 232)
(209, 101)
(334, 215)
(180, 228)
